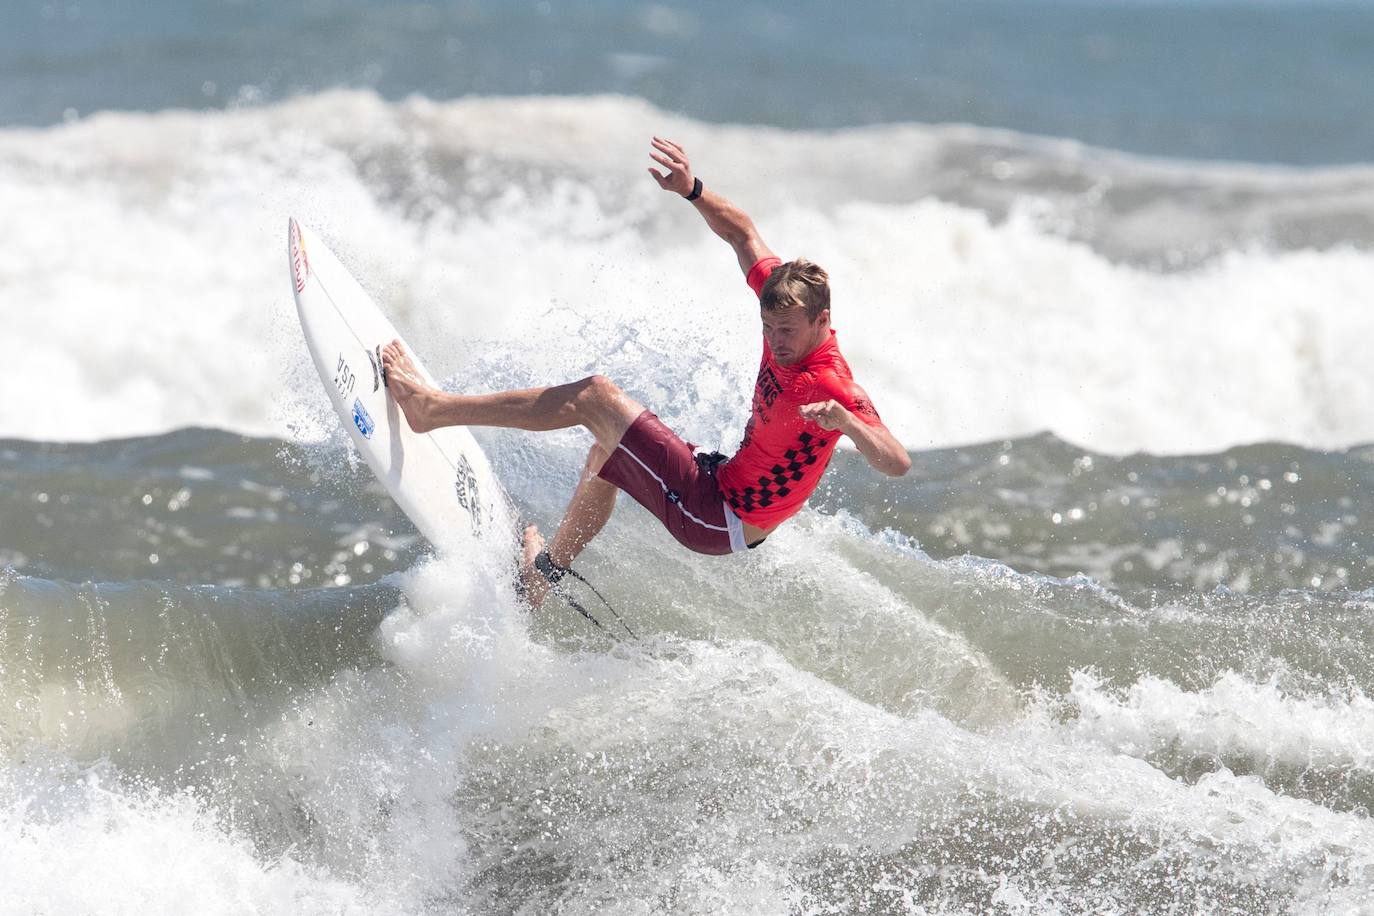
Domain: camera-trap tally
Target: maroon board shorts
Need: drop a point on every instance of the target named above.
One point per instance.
(661, 472)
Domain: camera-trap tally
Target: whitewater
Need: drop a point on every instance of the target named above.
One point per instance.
(1104, 650)
(1013, 304)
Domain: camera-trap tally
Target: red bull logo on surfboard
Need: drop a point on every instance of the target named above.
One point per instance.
(300, 265)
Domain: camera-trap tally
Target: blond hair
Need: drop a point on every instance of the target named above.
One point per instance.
(797, 284)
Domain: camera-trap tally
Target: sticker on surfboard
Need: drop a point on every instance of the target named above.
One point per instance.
(362, 419)
(300, 265)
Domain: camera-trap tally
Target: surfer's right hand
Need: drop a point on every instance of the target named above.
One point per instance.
(674, 158)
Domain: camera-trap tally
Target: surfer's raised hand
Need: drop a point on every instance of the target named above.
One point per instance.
(672, 157)
(725, 219)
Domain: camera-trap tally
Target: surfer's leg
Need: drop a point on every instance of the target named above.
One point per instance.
(590, 508)
(532, 581)
(594, 402)
(592, 504)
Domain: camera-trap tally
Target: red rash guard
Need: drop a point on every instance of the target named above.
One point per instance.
(783, 456)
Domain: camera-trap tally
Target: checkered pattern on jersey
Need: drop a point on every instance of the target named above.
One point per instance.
(781, 477)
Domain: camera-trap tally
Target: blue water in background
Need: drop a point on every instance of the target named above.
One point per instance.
(1280, 82)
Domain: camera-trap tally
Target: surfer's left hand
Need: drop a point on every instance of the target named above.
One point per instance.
(674, 158)
(826, 414)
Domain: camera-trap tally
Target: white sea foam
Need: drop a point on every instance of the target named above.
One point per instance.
(677, 773)
(778, 767)
(144, 282)
(80, 842)
(1233, 718)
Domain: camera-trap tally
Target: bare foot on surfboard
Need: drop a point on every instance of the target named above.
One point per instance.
(405, 385)
(532, 581)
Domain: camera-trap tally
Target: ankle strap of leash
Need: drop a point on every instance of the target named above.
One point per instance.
(555, 573)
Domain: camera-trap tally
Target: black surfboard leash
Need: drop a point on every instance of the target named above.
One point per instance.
(555, 573)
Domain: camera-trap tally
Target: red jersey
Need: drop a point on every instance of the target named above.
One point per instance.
(783, 456)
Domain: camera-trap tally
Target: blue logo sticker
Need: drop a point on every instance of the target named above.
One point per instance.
(362, 419)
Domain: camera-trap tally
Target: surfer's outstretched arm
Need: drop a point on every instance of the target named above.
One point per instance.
(725, 219)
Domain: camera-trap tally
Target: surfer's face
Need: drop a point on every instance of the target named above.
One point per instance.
(791, 336)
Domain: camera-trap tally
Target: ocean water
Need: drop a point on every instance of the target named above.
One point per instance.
(1105, 268)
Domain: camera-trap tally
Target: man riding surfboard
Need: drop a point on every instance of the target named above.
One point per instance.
(805, 398)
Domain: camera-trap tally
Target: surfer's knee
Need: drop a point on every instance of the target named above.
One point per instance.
(605, 409)
(600, 390)
(599, 397)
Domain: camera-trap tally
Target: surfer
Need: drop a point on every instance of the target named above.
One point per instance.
(805, 398)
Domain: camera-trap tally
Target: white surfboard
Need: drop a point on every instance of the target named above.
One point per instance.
(440, 479)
